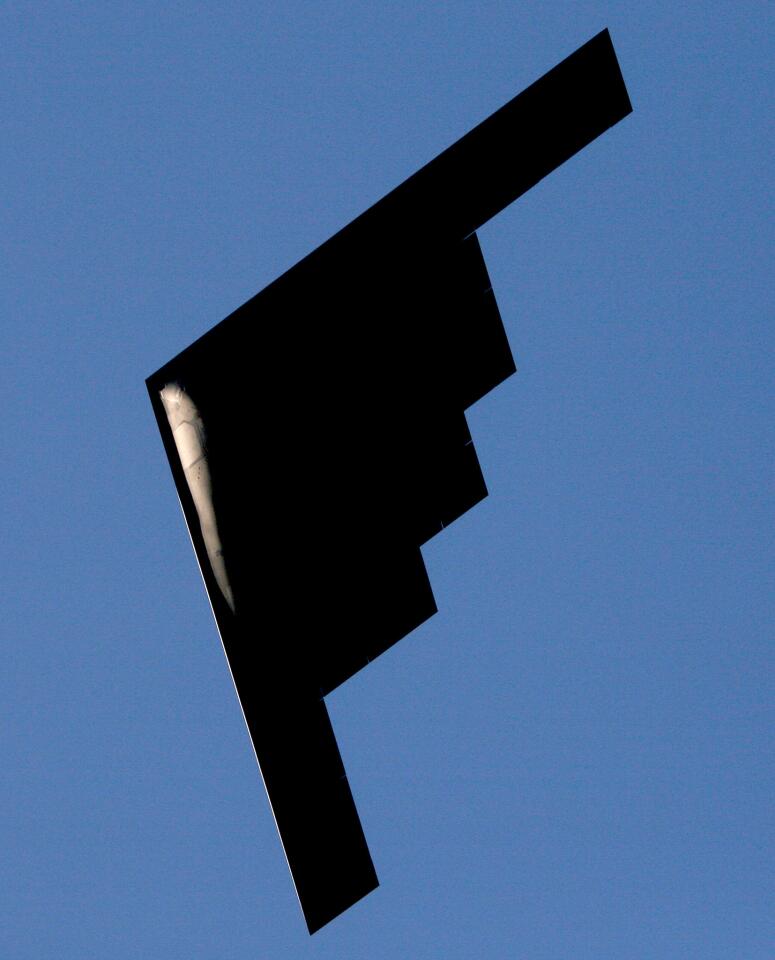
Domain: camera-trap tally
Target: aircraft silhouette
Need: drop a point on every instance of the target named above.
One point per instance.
(317, 438)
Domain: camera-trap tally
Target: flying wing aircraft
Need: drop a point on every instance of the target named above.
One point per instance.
(317, 438)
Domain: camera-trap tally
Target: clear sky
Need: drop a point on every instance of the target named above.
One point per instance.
(573, 759)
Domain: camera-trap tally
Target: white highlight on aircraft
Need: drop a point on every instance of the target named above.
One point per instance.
(188, 431)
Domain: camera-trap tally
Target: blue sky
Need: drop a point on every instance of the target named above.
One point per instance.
(574, 757)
